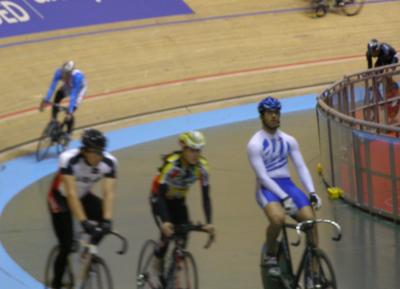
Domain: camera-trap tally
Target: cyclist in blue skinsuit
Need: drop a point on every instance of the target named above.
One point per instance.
(269, 151)
(73, 84)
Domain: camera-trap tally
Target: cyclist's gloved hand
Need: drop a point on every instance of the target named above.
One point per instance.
(289, 206)
(315, 200)
(167, 229)
(89, 227)
(106, 226)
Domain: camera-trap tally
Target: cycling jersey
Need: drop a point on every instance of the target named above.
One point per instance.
(170, 187)
(72, 162)
(179, 178)
(268, 155)
(75, 87)
(386, 55)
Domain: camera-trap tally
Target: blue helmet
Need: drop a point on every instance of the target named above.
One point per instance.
(269, 103)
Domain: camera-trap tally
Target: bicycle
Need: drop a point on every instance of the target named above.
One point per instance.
(181, 271)
(348, 7)
(94, 271)
(54, 133)
(314, 265)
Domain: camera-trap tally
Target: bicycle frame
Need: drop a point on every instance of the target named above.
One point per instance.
(289, 278)
(288, 259)
(91, 255)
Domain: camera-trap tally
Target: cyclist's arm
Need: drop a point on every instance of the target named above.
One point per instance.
(207, 203)
(256, 161)
(77, 84)
(108, 197)
(73, 201)
(301, 167)
(369, 59)
(56, 78)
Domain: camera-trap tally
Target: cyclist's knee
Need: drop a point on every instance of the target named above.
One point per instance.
(276, 217)
(161, 250)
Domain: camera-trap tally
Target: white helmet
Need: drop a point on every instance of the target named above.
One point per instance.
(193, 140)
(68, 67)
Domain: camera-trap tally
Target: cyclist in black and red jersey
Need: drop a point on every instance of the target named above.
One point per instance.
(71, 195)
(179, 171)
(384, 53)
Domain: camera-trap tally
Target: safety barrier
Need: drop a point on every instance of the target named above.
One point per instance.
(358, 123)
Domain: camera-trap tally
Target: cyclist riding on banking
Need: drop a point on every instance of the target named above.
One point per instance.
(268, 152)
(169, 189)
(71, 194)
(73, 85)
(385, 53)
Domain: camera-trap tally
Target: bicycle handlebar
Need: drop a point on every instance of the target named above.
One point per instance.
(186, 228)
(305, 225)
(61, 107)
(124, 241)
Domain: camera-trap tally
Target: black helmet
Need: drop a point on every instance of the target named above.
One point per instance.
(373, 45)
(93, 139)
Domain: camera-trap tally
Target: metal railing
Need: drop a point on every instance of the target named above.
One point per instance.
(358, 123)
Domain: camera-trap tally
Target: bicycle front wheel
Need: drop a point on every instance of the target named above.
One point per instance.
(45, 142)
(98, 275)
(184, 274)
(320, 271)
(352, 7)
(68, 278)
(146, 259)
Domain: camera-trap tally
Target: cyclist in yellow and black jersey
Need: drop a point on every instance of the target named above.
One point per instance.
(179, 171)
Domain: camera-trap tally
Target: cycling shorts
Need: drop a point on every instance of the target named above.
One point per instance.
(264, 196)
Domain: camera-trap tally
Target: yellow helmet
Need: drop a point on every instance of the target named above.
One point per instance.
(193, 139)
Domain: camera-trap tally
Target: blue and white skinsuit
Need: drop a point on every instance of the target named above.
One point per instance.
(268, 155)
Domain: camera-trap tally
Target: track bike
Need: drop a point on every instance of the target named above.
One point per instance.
(94, 272)
(348, 7)
(315, 267)
(181, 269)
(55, 133)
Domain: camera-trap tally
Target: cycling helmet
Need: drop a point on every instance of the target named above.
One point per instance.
(68, 67)
(93, 139)
(269, 103)
(193, 139)
(373, 45)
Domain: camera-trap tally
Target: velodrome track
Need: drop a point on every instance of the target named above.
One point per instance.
(226, 49)
(233, 261)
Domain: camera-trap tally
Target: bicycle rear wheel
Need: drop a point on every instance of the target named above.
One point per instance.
(322, 272)
(68, 278)
(146, 259)
(98, 276)
(184, 274)
(352, 7)
(45, 141)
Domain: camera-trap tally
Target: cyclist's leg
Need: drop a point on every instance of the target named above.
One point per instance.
(60, 95)
(70, 122)
(180, 216)
(93, 207)
(62, 223)
(305, 210)
(270, 203)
